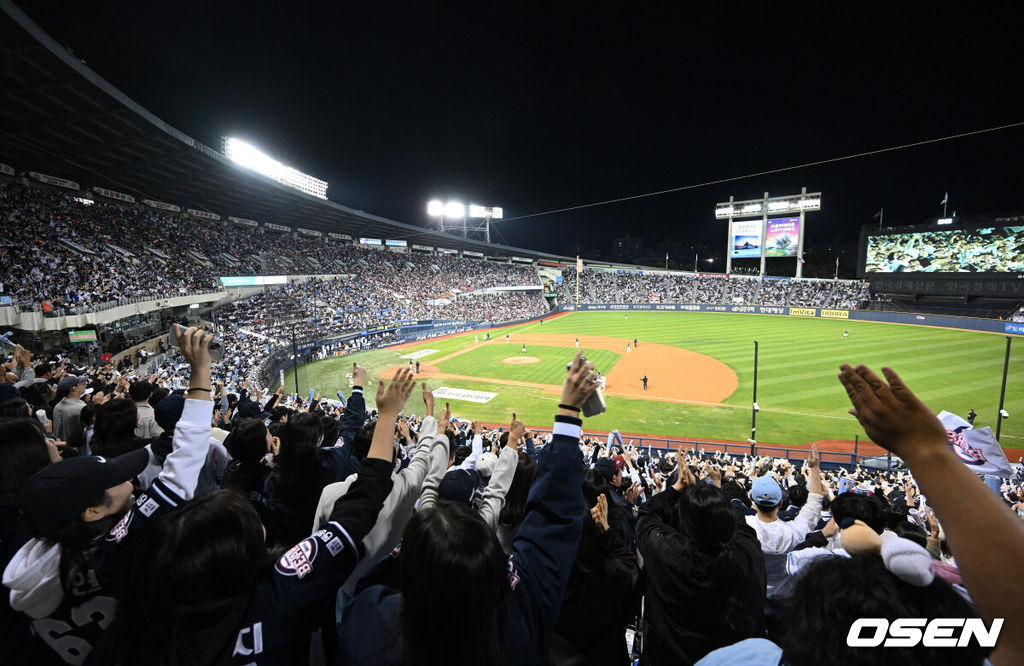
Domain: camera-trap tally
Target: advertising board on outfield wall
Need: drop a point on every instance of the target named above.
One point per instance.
(945, 321)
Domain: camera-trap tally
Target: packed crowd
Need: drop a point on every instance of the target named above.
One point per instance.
(653, 286)
(146, 522)
(316, 311)
(57, 251)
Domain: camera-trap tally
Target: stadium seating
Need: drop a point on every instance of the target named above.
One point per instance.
(609, 286)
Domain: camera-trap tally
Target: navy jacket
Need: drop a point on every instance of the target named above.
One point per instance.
(543, 553)
(310, 572)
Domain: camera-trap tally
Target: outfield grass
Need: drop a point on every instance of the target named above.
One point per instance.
(797, 390)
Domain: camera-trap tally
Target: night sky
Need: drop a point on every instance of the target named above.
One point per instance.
(540, 107)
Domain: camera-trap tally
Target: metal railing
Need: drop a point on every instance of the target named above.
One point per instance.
(85, 308)
(665, 445)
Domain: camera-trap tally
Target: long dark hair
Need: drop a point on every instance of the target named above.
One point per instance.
(86, 417)
(515, 499)
(706, 516)
(23, 452)
(452, 569)
(115, 428)
(247, 444)
(300, 477)
(185, 573)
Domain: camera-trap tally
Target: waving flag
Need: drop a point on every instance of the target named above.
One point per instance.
(945, 200)
(977, 448)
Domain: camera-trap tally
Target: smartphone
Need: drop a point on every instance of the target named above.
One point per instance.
(341, 397)
(216, 348)
(594, 404)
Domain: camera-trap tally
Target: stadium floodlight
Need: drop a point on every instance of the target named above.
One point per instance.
(435, 208)
(250, 157)
(453, 215)
(752, 208)
(454, 210)
(945, 220)
(494, 213)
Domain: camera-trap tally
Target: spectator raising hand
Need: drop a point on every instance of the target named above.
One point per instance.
(982, 534)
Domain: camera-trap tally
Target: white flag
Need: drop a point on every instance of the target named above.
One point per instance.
(975, 447)
(944, 199)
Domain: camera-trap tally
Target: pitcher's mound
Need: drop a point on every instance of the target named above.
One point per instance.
(520, 360)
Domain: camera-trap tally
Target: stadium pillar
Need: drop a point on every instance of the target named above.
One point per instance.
(728, 245)
(295, 357)
(753, 407)
(764, 229)
(800, 240)
(1002, 392)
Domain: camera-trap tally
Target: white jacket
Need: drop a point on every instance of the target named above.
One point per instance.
(779, 536)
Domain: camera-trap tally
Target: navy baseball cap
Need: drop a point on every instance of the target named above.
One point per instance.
(168, 411)
(251, 410)
(459, 485)
(766, 491)
(55, 496)
(608, 468)
(71, 381)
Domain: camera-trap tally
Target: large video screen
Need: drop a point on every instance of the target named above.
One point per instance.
(781, 237)
(746, 239)
(83, 335)
(981, 250)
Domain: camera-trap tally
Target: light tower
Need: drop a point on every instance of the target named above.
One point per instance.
(452, 215)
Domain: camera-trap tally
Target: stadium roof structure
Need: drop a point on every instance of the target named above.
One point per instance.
(59, 117)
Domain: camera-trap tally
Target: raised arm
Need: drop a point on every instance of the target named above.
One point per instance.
(355, 410)
(986, 538)
(545, 545)
(192, 433)
(428, 492)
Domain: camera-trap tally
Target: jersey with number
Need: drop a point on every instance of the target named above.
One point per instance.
(89, 605)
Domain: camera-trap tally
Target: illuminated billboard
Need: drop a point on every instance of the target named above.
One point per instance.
(746, 239)
(781, 237)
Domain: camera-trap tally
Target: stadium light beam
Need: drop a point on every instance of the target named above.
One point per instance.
(248, 156)
(456, 215)
(435, 208)
(454, 210)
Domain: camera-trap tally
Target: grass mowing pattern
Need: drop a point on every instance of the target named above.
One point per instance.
(800, 398)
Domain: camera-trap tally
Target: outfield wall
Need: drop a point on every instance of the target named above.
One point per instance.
(944, 321)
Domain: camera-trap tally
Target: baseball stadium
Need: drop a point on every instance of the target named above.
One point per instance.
(621, 337)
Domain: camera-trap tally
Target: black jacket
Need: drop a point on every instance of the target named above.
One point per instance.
(686, 609)
(590, 628)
